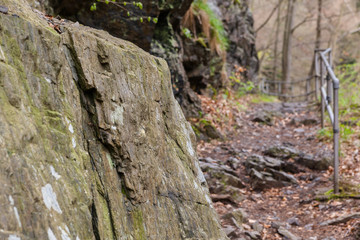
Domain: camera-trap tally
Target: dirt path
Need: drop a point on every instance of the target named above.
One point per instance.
(275, 188)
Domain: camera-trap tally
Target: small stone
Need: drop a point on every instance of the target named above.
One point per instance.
(294, 221)
(257, 227)
(299, 130)
(253, 235)
(275, 225)
(309, 226)
(264, 118)
(284, 232)
(239, 215)
(4, 9)
(342, 219)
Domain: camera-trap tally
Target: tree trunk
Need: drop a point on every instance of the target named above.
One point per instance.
(317, 46)
(277, 41)
(286, 56)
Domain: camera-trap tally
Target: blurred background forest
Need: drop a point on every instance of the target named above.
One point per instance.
(315, 24)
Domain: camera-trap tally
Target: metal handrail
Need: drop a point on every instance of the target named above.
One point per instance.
(329, 89)
(278, 85)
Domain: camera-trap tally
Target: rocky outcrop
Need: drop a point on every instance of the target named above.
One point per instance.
(204, 68)
(93, 144)
(193, 67)
(160, 39)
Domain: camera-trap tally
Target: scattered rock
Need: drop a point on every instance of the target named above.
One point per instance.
(239, 215)
(222, 198)
(309, 226)
(253, 235)
(230, 231)
(342, 219)
(304, 121)
(309, 121)
(294, 221)
(276, 225)
(281, 152)
(299, 130)
(311, 162)
(263, 180)
(286, 233)
(233, 162)
(212, 132)
(264, 118)
(4, 9)
(266, 172)
(257, 227)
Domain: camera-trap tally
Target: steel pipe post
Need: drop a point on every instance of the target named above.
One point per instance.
(322, 97)
(336, 130)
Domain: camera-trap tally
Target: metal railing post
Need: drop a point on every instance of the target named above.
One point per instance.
(332, 82)
(322, 97)
(336, 139)
(317, 75)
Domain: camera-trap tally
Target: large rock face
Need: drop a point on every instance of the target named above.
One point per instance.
(93, 144)
(193, 68)
(159, 39)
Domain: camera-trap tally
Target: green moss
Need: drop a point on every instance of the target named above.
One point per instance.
(262, 98)
(217, 27)
(138, 224)
(196, 130)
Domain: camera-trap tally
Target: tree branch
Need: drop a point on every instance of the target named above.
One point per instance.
(269, 17)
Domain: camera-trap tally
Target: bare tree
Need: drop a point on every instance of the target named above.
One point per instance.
(286, 49)
(318, 34)
(276, 44)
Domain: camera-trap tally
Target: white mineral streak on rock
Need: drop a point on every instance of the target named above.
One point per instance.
(71, 129)
(200, 175)
(73, 141)
(64, 234)
(117, 116)
(51, 235)
(2, 56)
(16, 213)
(14, 237)
(208, 199)
(48, 80)
(196, 185)
(11, 200)
(17, 216)
(189, 145)
(54, 173)
(49, 197)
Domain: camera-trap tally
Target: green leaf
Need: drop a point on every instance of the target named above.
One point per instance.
(128, 14)
(155, 20)
(139, 5)
(107, 1)
(93, 7)
(124, 3)
(149, 19)
(141, 19)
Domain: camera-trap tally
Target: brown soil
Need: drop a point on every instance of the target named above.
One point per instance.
(296, 201)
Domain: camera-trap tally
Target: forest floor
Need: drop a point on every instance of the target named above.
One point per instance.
(254, 201)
